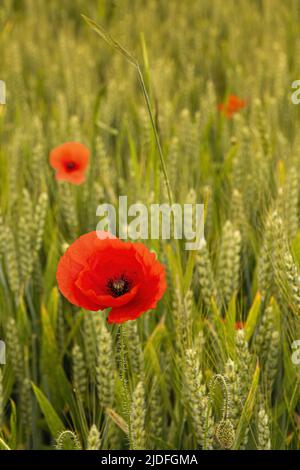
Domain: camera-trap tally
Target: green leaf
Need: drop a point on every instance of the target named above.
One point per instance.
(3, 445)
(52, 307)
(295, 246)
(24, 326)
(229, 324)
(247, 410)
(54, 422)
(49, 278)
(251, 321)
(13, 426)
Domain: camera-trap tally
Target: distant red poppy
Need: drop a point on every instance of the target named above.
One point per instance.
(96, 274)
(231, 106)
(239, 325)
(70, 160)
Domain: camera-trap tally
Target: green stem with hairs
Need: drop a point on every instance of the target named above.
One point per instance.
(161, 156)
(133, 61)
(219, 378)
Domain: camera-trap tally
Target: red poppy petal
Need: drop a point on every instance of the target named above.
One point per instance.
(79, 153)
(75, 177)
(143, 302)
(66, 275)
(84, 247)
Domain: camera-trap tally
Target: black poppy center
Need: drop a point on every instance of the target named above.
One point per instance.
(70, 165)
(118, 287)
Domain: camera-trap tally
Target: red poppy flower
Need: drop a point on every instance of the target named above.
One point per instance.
(70, 160)
(96, 274)
(231, 106)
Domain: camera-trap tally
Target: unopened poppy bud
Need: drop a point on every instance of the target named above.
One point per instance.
(225, 434)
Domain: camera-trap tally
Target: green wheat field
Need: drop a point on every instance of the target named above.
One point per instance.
(214, 366)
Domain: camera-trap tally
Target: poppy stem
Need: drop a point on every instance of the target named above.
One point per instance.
(161, 155)
(133, 61)
(162, 159)
(218, 378)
